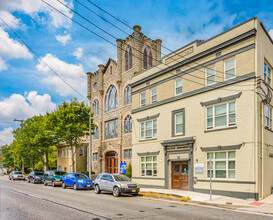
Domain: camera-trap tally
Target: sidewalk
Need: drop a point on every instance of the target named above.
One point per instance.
(264, 206)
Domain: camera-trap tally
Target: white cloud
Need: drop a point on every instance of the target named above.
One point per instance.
(12, 21)
(3, 66)
(37, 9)
(10, 48)
(63, 39)
(71, 73)
(6, 136)
(78, 53)
(23, 107)
(271, 33)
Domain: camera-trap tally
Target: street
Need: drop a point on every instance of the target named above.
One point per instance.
(22, 200)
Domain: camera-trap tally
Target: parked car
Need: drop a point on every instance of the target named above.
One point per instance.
(16, 175)
(35, 177)
(54, 177)
(77, 180)
(116, 183)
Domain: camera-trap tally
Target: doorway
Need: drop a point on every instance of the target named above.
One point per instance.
(180, 175)
(111, 162)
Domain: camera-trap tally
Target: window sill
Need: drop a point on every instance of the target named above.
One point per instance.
(220, 129)
(150, 139)
(267, 128)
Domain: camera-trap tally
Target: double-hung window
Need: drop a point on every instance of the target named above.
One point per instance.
(223, 115)
(81, 152)
(268, 116)
(178, 86)
(148, 129)
(222, 165)
(128, 154)
(230, 69)
(154, 95)
(178, 122)
(143, 99)
(267, 74)
(59, 153)
(210, 75)
(149, 166)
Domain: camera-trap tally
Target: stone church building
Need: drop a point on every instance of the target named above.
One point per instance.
(109, 93)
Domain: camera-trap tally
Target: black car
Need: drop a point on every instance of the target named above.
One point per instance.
(35, 177)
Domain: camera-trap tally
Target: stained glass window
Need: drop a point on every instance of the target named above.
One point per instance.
(95, 107)
(111, 99)
(128, 124)
(127, 95)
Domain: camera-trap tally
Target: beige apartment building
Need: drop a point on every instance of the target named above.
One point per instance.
(64, 157)
(203, 102)
(109, 93)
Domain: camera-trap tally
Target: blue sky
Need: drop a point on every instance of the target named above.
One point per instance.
(28, 87)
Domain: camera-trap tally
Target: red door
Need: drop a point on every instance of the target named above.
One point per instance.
(111, 162)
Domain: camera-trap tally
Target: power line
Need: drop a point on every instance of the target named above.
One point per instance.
(141, 42)
(132, 54)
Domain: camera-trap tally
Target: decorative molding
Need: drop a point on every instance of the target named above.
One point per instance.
(220, 129)
(176, 142)
(148, 153)
(221, 99)
(148, 118)
(220, 148)
(197, 91)
(227, 181)
(148, 178)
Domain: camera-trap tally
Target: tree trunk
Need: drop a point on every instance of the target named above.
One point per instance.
(23, 167)
(72, 156)
(46, 166)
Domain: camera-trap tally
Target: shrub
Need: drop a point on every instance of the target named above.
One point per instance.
(129, 171)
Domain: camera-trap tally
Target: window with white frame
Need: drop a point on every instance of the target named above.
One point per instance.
(223, 115)
(267, 74)
(223, 165)
(81, 152)
(143, 98)
(178, 86)
(153, 95)
(95, 156)
(59, 153)
(210, 75)
(178, 123)
(70, 168)
(149, 166)
(148, 129)
(268, 116)
(230, 70)
(70, 153)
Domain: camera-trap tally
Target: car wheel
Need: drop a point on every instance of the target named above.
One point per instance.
(75, 186)
(63, 185)
(97, 189)
(9, 178)
(28, 180)
(45, 183)
(116, 191)
(33, 181)
(53, 184)
(12, 179)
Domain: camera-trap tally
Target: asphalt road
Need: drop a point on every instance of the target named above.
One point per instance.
(22, 200)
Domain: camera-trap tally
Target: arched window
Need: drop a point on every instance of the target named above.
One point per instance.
(96, 134)
(147, 58)
(95, 107)
(111, 99)
(128, 124)
(127, 95)
(128, 58)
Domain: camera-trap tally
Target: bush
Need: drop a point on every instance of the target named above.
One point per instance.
(87, 173)
(129, 171)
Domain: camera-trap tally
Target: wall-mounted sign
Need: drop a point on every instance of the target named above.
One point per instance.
(199, 168)
(123, 168)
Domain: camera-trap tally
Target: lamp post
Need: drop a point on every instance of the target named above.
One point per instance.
(89, 160)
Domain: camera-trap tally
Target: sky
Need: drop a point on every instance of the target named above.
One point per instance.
(27, 85)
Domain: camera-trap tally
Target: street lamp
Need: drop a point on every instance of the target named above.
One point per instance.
(89, 147)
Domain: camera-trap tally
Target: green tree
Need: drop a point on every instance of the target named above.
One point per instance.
(71, 124)
(129, 171)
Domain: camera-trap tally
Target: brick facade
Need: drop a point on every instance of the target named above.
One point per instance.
(114, 74)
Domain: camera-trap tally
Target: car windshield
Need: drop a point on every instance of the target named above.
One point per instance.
(18, 172)
(81, 176)
(39, 173)
(121, 178)
(59, 173)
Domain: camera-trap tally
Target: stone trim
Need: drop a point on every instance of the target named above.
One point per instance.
(220, 129)
(221, 46)
(231, 54)
(148, 118)
(227, 181)
(148, 178)
(221, 99)
(181, 141)
(148, 153)
(197, 91)
(220, 148)
(182, 110)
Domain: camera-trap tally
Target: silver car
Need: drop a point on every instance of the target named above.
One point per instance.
(116, 183)
(16, 175)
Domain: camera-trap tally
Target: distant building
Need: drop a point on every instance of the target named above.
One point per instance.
(202, 101)
(109, 93)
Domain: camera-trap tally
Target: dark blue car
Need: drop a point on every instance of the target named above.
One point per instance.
(77, 181)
